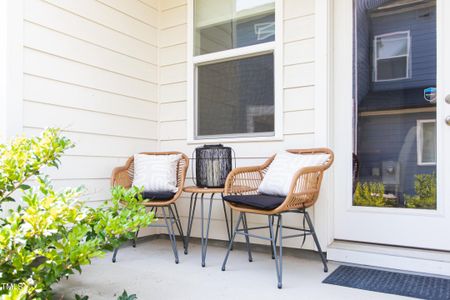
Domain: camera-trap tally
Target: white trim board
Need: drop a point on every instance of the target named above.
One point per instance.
(323, 212)
(391, 257)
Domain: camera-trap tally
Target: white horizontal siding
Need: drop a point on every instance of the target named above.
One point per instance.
(173, 35)
(91, 68)
(135, 9)
(173, 73)
(69, 23)
(98, 145)
(173, 92)
(298, 28)
(173, 16)
(64, 69)
(39, 89)
(42, 38)
(106, 16)
(41, 115)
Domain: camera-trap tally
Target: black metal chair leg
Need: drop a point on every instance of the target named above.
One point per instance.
(135, 238)
(278, 257)
(192, 205)
(115, 254)
(271, 219)
(169, 225)
(230, 245)
(174, 211)
(206, 235)
(316, 241)
(231, 223)
(276, 229)
(226, 220)
(247, 238)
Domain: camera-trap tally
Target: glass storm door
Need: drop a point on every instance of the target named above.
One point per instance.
(394, 66)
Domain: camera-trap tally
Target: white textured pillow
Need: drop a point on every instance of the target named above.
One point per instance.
(281, 171)
(156, 173)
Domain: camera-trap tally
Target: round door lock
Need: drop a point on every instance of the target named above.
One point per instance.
(447, 99)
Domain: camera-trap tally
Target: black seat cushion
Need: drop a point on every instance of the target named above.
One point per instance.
(157, 195)
(261, 201)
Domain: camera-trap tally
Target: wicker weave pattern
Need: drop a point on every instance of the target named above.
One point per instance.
(124, 176)
(304, 189)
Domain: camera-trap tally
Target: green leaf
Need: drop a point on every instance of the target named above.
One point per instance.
(24, 187)
(125, 296)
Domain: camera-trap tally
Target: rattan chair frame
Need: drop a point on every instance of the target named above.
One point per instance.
(303, 193)
(123, 176)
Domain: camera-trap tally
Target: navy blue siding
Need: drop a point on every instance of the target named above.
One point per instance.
(422, 29)
(391, 137)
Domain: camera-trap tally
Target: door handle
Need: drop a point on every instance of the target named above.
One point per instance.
(447, 99)
(447, 120)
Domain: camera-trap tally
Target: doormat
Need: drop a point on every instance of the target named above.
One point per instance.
(417, 286)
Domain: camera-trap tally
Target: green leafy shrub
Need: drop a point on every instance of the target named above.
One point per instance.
(50, 234)
(425, 197)
(369, 194)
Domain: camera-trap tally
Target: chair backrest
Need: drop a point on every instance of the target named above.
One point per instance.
(182, 166)
(306, 191)
(327, 164)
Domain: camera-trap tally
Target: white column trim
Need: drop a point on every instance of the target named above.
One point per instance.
(323, 211)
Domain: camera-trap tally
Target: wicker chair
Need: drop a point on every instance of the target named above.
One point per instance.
(124, 176)
(304, 191)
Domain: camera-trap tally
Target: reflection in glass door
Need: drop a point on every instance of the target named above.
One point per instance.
(394, 161)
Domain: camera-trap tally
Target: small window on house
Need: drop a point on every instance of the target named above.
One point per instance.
(233, 65)
(391, 56)
(426, 142)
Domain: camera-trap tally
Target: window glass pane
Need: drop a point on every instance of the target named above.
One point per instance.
(227, 24)
(392, 151)
(392, 45)
(236, 97)
(393, 68)
(429, 142)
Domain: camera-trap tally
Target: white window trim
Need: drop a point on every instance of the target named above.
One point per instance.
(420, 161)
(275, 47)
(407, 55)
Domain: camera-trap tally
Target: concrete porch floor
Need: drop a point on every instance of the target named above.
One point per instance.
(149, 272)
